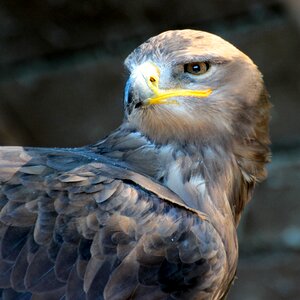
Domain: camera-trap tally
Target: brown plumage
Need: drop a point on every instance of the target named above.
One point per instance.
(151, 211)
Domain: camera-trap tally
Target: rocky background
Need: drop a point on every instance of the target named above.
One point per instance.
(61, 84)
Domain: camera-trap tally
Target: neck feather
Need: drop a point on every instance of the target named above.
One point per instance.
(203, 175)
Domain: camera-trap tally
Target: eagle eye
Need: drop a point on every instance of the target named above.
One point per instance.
(196, 68)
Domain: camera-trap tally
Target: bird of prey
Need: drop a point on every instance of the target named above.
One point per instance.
(149, 212)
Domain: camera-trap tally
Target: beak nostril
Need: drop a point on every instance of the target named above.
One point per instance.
(152, 79)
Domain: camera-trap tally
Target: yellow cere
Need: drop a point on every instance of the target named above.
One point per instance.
(163, 96)
(152, 72)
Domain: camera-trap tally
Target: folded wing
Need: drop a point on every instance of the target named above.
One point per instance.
(78, 226)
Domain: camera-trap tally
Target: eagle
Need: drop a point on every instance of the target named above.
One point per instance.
(150, 211)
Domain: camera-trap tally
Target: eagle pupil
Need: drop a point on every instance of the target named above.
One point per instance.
(196, 68)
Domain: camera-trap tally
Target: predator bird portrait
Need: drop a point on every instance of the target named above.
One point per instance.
(151, 211)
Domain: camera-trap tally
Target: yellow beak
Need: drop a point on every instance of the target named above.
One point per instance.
(142, 88)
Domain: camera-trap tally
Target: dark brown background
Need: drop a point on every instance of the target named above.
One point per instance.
(61, 84)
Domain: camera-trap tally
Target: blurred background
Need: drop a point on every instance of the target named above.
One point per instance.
(61, 84)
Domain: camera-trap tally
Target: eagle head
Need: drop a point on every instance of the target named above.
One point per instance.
(188, 86)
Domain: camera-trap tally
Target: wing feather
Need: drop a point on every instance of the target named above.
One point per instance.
(82, 227)
(74, 287)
